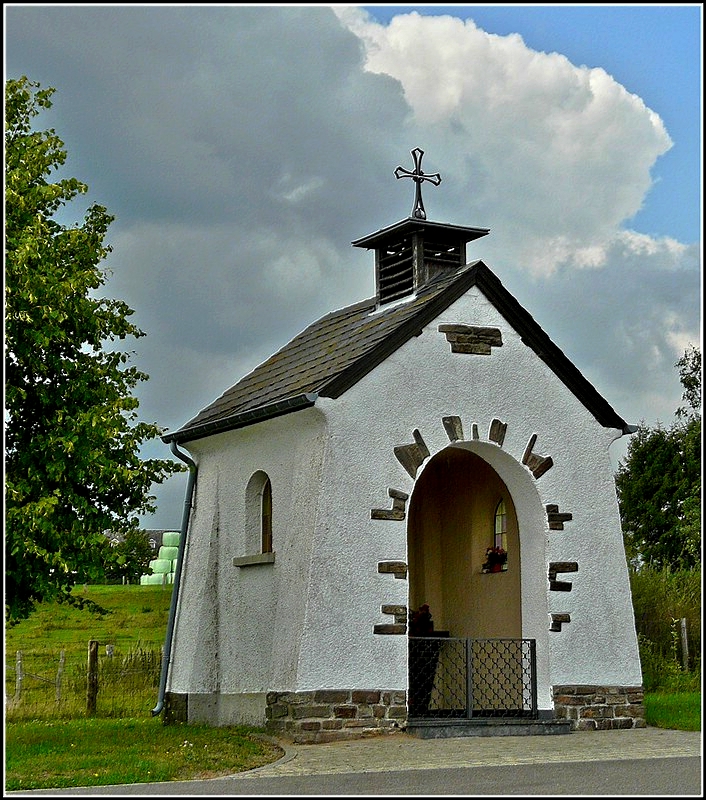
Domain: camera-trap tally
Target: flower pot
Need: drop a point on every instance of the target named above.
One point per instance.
(496, 567)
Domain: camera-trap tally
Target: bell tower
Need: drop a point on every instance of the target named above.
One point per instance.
(412, 252)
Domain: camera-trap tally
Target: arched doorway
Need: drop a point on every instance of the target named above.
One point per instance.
(451, 523)
(475, 663)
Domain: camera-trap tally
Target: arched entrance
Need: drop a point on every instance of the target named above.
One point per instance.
(475, 663)
(451, 524)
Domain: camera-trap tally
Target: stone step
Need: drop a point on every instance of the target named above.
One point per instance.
(453, 728)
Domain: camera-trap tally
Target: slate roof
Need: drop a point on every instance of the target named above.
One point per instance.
(335, 352)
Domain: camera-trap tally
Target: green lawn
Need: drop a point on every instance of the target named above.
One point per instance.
(51, 754)
(677, 710)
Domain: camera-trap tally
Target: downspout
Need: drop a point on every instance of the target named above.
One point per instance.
(166, 658)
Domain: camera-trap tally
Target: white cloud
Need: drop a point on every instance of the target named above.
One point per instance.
(561, 152)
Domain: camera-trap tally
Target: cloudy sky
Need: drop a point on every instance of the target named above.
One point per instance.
(242, 149)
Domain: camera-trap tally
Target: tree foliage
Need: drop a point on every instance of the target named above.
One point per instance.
(72, 439)
(130, 558)
(659, 483)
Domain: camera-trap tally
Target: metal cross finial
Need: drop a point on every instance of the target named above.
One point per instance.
(418, 176)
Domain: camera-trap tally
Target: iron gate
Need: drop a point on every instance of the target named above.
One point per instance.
(471, 678)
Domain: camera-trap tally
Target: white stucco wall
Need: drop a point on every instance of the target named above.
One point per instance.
(415, 388)
(306, 621)
(251, 616)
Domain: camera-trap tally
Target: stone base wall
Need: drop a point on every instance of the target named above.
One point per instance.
(600, 708)
(329, 715)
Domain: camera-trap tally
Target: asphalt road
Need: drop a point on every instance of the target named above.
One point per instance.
(659, 776)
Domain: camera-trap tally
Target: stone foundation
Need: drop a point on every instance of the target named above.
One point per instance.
(600, 708)
(329, 715)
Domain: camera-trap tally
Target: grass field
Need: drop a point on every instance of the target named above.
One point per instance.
(53, 745)
(136, 614)
(53, 644)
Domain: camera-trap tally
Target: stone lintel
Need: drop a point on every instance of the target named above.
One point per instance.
(471, 339)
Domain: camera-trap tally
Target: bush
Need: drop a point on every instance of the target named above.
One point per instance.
(661, 599)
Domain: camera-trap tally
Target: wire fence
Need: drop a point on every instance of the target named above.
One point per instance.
(82, 681)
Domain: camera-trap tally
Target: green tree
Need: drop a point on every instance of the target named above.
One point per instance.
(659, 483)
(130, 558)
(690, 376)
(72, 439)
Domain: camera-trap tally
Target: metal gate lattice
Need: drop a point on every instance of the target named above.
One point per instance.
(465, 678)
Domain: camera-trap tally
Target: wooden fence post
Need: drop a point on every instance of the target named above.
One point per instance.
(59, 674)
(92, 682)
(684, 644)
(19, 675)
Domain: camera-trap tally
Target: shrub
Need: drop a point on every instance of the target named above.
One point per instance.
(661, 599)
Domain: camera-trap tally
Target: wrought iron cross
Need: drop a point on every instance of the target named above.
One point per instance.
(418, 177)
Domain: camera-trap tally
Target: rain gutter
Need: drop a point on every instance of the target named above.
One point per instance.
(242, 419)
(166, 658)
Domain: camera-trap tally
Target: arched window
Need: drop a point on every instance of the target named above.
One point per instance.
(500, 527)
(266, 516)
(258, 514)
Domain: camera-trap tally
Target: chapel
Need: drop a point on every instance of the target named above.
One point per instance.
(406, 519)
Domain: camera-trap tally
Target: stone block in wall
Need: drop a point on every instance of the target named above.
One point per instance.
(276, 710)
(394, 698)
(345, 712)
(309, 725)
(389, 629)
(397, 712)
(306, 711)
(291, 698)
(356, 723)
(632, 710)
(596, 712)
(331, 696)
(365, 697)
(397, 568)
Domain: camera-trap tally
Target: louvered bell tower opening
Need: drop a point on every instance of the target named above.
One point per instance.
(411, 253)
(395, 270)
